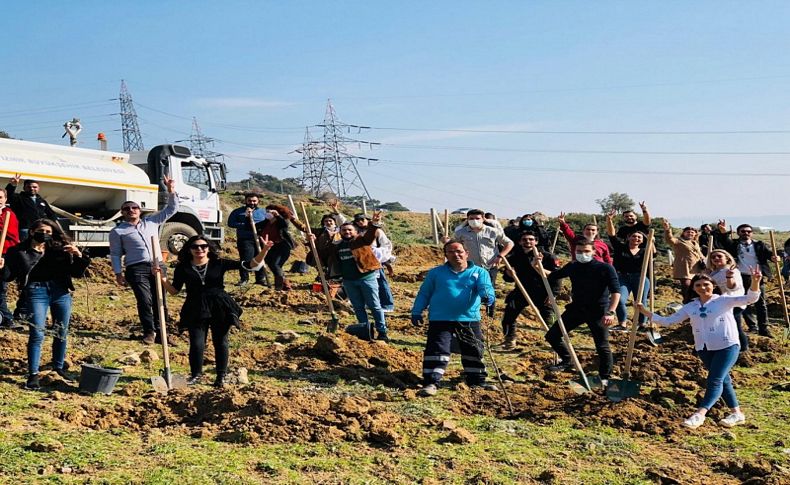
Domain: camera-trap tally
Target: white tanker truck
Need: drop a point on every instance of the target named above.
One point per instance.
(87, 187)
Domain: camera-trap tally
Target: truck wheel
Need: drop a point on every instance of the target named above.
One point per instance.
(174, 235)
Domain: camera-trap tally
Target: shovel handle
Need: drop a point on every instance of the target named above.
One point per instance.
(320, 267)
(639, 294)
(565, 336)
(254, 234)
(161, 309)
(780, 279)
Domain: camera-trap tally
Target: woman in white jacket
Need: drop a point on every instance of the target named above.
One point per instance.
(715, 340)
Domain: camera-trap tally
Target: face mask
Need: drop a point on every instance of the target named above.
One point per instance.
(42, 237)
(475, 223)
(583, 257)
(526, 222)
(332, 229)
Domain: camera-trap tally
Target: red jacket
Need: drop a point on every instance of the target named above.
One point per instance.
(12, 237)
(602, 253)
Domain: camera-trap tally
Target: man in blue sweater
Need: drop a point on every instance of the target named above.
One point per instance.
(239, 219)
(452, 293)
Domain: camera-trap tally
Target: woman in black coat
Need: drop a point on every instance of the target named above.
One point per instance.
(207, 305)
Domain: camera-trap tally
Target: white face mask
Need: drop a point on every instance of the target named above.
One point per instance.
(475, 223)
(584, 257)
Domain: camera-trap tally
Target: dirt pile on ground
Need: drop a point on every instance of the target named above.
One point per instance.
(254, 414)
(100, 271)
(419, 256)
(334, 357)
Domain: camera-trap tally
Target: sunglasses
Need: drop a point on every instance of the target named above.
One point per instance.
(703, 312)
(202, 247)
(130, 208)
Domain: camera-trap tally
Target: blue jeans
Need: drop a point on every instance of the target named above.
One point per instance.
(39, 297)
(365, 293)
(629, 284)
(385, 293)
(719, 384)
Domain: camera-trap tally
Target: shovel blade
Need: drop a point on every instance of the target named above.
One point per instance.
(595, 382)
(160, 384)
(654, 337)
(620, 389)
(577, 387)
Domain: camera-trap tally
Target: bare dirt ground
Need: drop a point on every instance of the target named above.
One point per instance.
(335, 390)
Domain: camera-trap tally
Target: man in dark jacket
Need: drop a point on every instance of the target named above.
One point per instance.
(28, 205)
(748, 253)
(521, 261)
(239, 219)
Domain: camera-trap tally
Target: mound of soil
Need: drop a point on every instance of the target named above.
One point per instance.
(254, 414)
(341, 356)
(419, 255)
(100, 271)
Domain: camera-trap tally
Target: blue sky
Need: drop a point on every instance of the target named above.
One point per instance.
(256, 73)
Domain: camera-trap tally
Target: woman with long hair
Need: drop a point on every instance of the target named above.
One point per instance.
(43, 266)
(628, 259)
(275, 228)
(721, 267)
(207, 305)
(715, 341)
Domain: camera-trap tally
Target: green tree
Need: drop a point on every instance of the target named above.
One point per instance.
(4, 134)
(393, 207)
(616, 201)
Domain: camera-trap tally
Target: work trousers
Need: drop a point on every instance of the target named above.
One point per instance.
(364, 294)
(197, 346)
(515, 304)
(386, 300)
(437, 351)
(140, 278)
(575, 315)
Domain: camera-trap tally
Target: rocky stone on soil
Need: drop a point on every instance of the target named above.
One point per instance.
(460, 436)
(45, 446)
(149, 356)
(131, 359)
(286, 336)
(305, 321)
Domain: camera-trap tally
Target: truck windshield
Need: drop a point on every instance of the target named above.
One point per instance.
(196, 176)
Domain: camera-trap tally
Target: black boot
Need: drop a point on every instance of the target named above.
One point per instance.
(219, 382)
(762, 330)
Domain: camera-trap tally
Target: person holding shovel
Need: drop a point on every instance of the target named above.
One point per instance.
(715, 341)
(594, 298)
(207, 305)
(521, 261)
(452, 293)
(43, 266)
(275, 229)
(239, 219)
(628, 258)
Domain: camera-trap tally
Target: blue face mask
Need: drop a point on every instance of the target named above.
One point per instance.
(526, 222)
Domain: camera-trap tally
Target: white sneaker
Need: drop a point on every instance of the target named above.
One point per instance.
(694, 421)
(734, 419)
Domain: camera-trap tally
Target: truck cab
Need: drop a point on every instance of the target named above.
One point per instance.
(198, 184)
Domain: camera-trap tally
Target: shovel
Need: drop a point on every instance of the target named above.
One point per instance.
(529, 300)
(331, 327)
(653, 336)
(166, 381)
(781, 285)
(584, 386)
(624, 388)
(258, 248)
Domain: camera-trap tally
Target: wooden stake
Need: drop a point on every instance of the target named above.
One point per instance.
(332, 327)
(446, 223)
(780, 279)
(433, 227)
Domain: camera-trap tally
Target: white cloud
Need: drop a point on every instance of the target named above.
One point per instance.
(242, 103)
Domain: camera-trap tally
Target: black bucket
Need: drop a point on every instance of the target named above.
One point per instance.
(94, 378)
